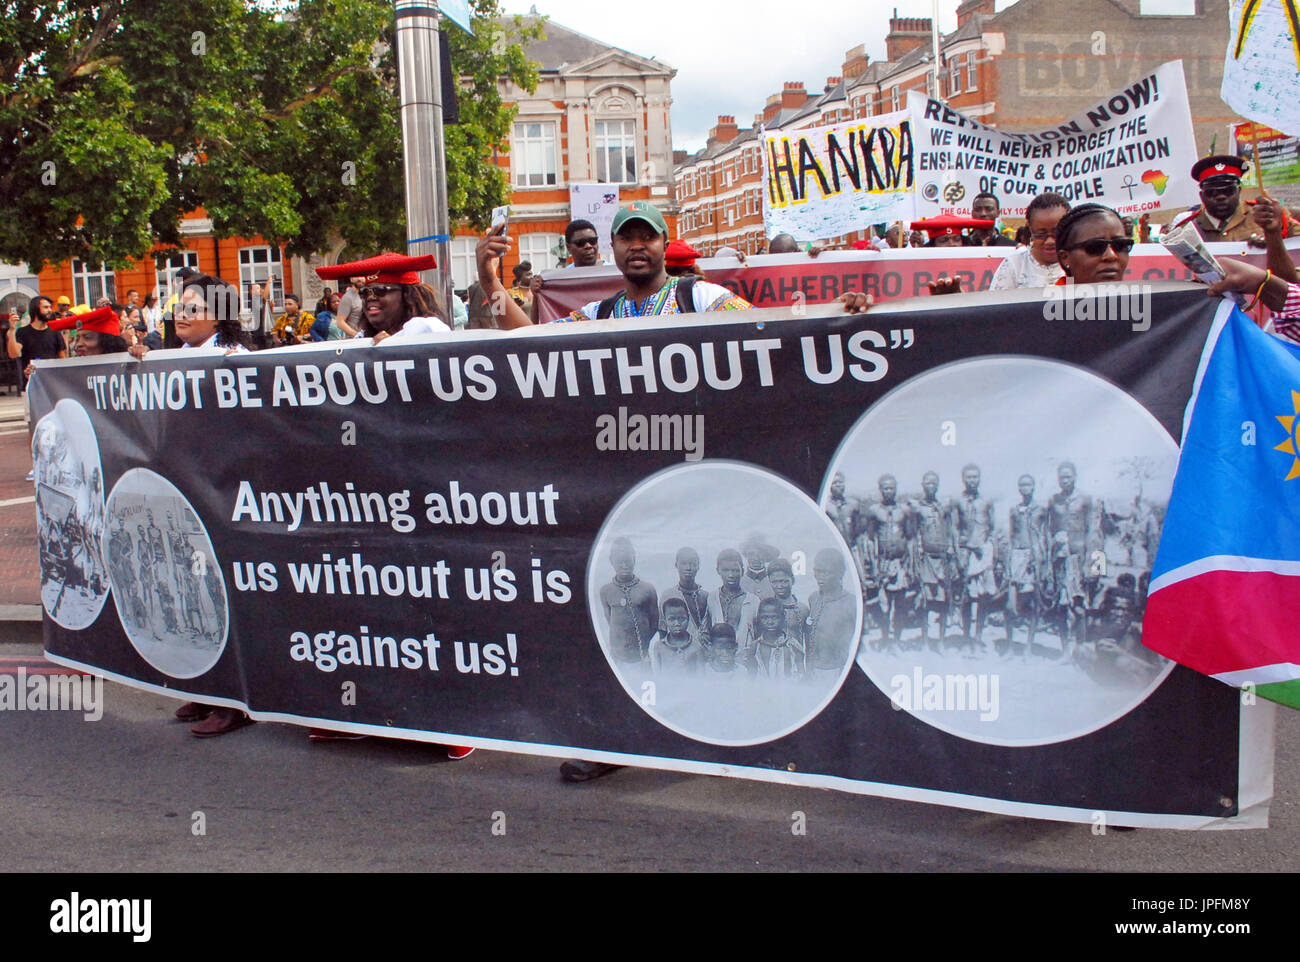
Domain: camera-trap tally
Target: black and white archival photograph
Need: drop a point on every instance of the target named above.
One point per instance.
(70, 516)
(1004, 546)
(167, 584)
(725, 602)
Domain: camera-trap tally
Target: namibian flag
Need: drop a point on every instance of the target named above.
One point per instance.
(1225, 589)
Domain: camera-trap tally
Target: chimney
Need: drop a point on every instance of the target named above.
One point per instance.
(855, 62)
(906, 33)
(771, 108)
(969, 8)
(725, 131)
(832, 83)
(793, 95)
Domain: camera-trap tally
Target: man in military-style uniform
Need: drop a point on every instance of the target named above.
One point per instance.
(1222, 215)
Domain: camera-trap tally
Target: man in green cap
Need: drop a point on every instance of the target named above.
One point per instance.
(639, 236)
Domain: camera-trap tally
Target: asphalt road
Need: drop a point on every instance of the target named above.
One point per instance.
(121, 795)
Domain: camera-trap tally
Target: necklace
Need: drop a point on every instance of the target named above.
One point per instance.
(692, 599)
(675, 647)
(626, 602)
(725, 603)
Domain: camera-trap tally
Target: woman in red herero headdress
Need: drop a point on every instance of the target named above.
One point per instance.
(98, 332)
(393, 298)
(946, 230)
(395, 304)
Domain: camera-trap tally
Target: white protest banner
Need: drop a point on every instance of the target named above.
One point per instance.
(827, 181)
(597, 203)
(1261, 73)
(1132, 151)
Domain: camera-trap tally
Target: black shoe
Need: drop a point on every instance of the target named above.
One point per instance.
(580, 771)
(192, 711)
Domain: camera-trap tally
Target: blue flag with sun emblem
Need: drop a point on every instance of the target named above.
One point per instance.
(1225, 589)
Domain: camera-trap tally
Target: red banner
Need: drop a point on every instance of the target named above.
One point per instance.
(780, 280)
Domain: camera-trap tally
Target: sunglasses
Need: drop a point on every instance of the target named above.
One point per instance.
(1096, 246)
(585, 242)
(368, 292)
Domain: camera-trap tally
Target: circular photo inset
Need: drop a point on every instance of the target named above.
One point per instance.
(725, 602)
(167, 584)
(1005, 514)
(69, 516)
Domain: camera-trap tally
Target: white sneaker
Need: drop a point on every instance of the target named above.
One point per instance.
(31, 475)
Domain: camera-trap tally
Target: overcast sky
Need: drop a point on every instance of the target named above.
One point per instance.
(730, 57)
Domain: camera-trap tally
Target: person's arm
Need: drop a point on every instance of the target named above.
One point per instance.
(491, 247)
(1271, 216)
(534, 305)
(63, 345)
(1247, 279)
(15, 349)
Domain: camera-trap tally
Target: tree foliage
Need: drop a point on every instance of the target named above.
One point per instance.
(118, 119)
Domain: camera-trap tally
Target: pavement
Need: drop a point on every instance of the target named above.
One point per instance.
(20, 583)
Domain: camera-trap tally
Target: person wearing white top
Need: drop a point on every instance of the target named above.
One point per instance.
(1035, 265)
(206, 315)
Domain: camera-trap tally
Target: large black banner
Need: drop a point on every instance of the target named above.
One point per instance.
(903, 553)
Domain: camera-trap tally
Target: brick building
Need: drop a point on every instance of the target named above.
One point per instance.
(600, 114)
(1030, 66)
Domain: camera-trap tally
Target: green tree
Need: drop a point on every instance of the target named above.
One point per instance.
(280, 119)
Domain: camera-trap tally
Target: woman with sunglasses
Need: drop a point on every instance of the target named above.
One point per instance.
(393, 299)
(394, 304)
(206, 315)
(1091, 245)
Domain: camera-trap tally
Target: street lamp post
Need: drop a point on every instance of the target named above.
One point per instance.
(428, 225)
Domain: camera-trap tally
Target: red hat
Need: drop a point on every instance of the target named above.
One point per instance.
(386, 269)
(948, 224)
(680, 254)
(1220, 165)
(861, 245)
(102, 320)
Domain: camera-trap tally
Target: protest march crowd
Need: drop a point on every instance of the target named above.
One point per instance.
(730, 625)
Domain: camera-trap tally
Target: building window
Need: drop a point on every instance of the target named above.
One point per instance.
(535, 155)
(89, 284)
(954, 75)
(464, 271)
(537, 250)
(894, 98)
(165, 268)
(972, 76)
(260, 265)
(616, 151)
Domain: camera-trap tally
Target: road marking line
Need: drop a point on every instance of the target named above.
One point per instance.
(27, 500)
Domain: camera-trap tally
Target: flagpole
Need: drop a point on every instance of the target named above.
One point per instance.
(1259, 171)
(934, 44)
